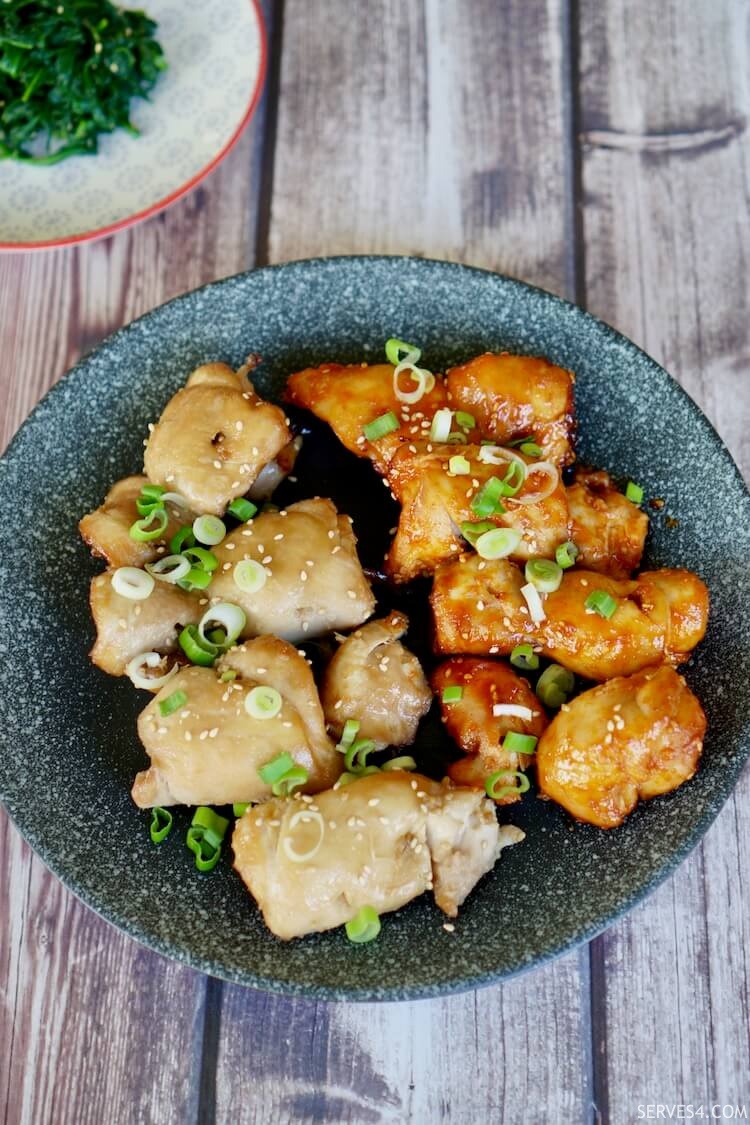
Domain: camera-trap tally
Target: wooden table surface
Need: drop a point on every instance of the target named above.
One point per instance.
(597, 148)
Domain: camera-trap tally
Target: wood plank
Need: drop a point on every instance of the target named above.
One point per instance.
(418, 128)
(92, 1026)
(665, 174)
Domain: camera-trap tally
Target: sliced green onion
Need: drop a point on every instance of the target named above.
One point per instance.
(240, 809)
(291, 780)
(196, 579)
(209, 529)
(555, 686)
(152, 492)
(143, 530)
(465, 420)
(348, 734)
(204, 837)
(534, 603)
(531, 449)
(513, 480)
(487, 500)
(524, 657)
(348, 778)
(134, 669)
(275, 769)
(452, 693)
(196, 649)
(228, 676)
(132, 583)
(440, 426)
(566, 554)
(405, 762)
(356, 756)
(207, 560)
(601, 602)
(634, 492)
(472, 531)
(170, 568)
(229, 616)
(498, 543)
(249, 576)
(173, 702)
(161, 824)
(457, 439)
(458, 466)
(145, 507)
(544, 574)
(492, 782)
(242, 509)
(394, 347)
(381, 426)
(181, 539)
(517, 743)
(263, 702)
(364, 926)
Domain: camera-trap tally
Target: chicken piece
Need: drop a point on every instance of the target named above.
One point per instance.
(511, 396)
(660, 618)
(210, 750)
(608, 530)
(471, 723)
(632, 738)
(125, 628)
(271, 475)
(314, 580)
(380, 841)
(107, 529)
(374, 679)
(435, 503)
(347, 398)
(214, 437)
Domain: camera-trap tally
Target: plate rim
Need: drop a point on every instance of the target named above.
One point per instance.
(353, 993)
(184, 189)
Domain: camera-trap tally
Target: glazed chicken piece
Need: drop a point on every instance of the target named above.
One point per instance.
(214, 437)
(632, 738)
(374, 679)
(107, 529)
(314, 581)
(608, 530)
(347, 398)
(472, 725)
(380, 841)
(435, 503)
(209, 751)
(660, 618)
(126, 628)
(513, 396)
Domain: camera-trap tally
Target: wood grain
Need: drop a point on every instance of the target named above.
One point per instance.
(665, 162)
(93, 1027)
(437, 130)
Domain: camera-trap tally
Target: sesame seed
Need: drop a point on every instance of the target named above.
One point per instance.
(449, 927)
(217, 464)
(188, 736)
(332, 824)
(227, 566)
(230, 546)
(374, 802)
(238, 425)
(335, 550)
(279, 537)
(303, 576)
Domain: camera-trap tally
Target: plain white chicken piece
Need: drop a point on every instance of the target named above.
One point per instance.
(209, 751)
(380, 841)
(126, 628)
(374, 679)
(314, 581)
(106, 530)
(214, 437)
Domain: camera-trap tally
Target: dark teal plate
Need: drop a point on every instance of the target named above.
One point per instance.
(70, 749)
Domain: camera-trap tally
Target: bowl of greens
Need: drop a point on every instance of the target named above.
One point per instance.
(109, 114)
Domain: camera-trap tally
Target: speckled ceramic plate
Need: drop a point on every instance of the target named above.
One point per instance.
(70, 749)
(216, 53)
